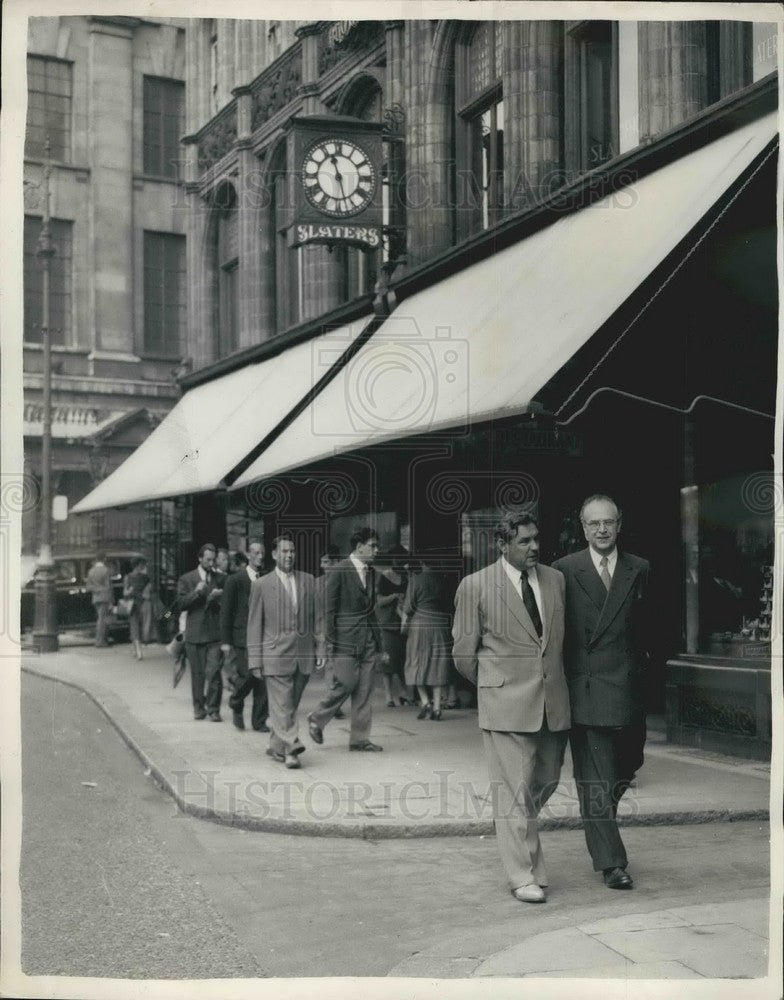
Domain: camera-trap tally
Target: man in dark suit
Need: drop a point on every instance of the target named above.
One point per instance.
(282, 646)
(508, 632)
(234, 638)
(605, 654)
(199, 593)
(353, 641)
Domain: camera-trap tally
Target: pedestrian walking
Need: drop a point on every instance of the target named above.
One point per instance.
(234, 638)
(198, 593)
(281, 645)
(606, 655)
(353, 642)
(99, 583)
(391, 586)
(508, 632)
(135, 586)
(328, 562)
(427, 623)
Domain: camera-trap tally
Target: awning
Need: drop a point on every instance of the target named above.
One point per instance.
(480, 344)
(215, 425)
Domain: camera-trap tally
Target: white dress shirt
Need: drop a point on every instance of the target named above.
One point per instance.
(360, 567)
(612, 559)
(289, 582)
(515, 574)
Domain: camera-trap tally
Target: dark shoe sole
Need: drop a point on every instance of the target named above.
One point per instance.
(315, 731)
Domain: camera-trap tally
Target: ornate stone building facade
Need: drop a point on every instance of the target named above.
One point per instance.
(108, 95)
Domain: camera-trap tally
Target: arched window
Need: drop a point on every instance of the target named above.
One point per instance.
(359, 268)
(287, 260)
(227, 261)
(479, 131)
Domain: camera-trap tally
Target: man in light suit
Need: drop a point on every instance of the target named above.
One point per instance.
(99, 582)
(508, 632)
(605, 655)
(199, 593)
(281, 646)
(353, 641)
(234, 636)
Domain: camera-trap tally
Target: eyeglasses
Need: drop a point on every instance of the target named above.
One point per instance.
(610, 522)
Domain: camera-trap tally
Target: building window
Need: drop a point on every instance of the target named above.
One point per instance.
(479, 136)
(49, 90)
(164, 102)
(591, 88)
(164, 294)
(60, 281)
(227, 260)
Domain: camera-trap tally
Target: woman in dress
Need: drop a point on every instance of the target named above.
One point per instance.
(135, 585)
(391, 584)
(427, 621)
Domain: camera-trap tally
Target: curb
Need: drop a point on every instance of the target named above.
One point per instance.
(376, 831)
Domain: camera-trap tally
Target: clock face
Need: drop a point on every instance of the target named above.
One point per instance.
(338, 177)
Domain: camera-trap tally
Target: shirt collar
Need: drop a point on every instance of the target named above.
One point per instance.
(359, 566)
(515, 574)
(251, 572)
(612, 559)
(202, 572)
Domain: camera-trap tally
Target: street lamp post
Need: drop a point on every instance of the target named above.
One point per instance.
(45, 621)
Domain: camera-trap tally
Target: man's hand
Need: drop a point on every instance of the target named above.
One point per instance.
(214, 593)
(225, 647)
(256, 671)
(201, 586)
(321, 662)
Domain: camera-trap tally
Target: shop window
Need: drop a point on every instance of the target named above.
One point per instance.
(60, 281)
(164, 103)
(164, 294)
(479, 134)
(591, 89)
(49, 91)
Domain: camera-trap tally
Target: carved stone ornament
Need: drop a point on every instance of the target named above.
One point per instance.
(218, 141)
(275, 87)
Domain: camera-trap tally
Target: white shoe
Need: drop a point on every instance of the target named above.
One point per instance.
(530, 894)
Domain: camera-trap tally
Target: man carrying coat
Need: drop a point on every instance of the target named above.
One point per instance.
(281, 646)
(199, 593)
(508, 632)
(605, 654)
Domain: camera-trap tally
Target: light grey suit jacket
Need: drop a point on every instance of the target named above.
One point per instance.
(520, 677)
(280, 639)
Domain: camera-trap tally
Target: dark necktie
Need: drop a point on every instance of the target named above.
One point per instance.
(530, 603)
(605, 573)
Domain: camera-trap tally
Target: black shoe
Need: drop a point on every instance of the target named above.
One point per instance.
(340, 714)
(617, 878)
(199, 715)
(215, 717)
(315, 730)
(435, 716)
(263, 728)
(424, 711)
(237, 719)
(391, 704)
(365, 745)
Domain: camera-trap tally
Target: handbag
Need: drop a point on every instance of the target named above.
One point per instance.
(124, 607)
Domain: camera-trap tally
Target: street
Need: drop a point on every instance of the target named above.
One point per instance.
(115, 882)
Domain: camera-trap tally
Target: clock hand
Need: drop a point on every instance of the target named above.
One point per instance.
(338, 175)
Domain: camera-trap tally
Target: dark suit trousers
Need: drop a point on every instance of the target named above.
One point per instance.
(352, 676)
(247, 684)
(605, 760)
(205, 661)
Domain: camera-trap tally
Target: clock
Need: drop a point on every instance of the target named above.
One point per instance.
(338, 177)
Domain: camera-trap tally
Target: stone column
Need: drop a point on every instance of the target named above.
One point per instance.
(249, 237)
(110, 91)
(673, 74)
(533, 98)
(309, 35)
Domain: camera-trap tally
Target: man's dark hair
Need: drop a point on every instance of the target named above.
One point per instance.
(139, 561)
(599, 496)
(239, 559)
(506, 528)
(361, 536)
(331, 552)
(285, 537)
(100, 556)
(205, 547)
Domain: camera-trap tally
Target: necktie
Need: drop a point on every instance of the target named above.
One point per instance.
(290, 589)
(363, 577)
(605, 573)
(530, 604)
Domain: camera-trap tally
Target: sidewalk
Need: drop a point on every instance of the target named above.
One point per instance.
(429, 781)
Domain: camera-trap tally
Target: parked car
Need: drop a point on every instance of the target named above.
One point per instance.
(74, 600)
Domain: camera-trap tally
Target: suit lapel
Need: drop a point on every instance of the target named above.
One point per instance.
(513, 601)
(589, 580)
(622, 579)
(546, 590)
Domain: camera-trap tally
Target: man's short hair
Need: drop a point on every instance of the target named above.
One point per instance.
(506, 527)
(100, 556)
(138, 561)
(256, 541)
(331, 552)
(594, 497)
(207, 547)
(240, 559)
(361, 536)
(285, 537)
